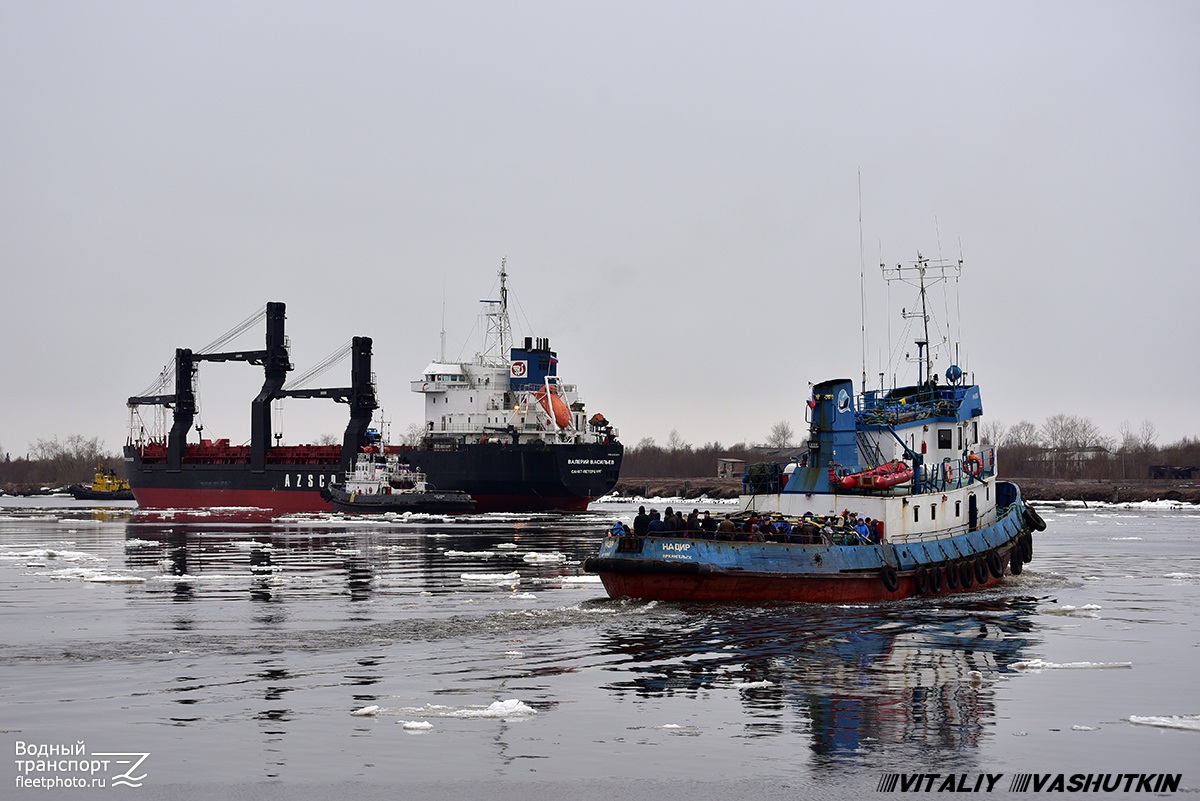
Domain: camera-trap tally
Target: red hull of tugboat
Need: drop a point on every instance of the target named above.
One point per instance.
(760, 587)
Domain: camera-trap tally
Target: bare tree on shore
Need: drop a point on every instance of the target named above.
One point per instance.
(781, 435)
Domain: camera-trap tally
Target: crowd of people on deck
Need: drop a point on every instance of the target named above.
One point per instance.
(847, 528)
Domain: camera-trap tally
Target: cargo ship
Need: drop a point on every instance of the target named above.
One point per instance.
(502, 428)
(506, 430)
(169, 472)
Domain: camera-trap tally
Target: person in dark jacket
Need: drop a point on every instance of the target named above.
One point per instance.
(640, 522)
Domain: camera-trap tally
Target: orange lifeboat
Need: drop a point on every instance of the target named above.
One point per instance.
(554, 405)
(886, 475)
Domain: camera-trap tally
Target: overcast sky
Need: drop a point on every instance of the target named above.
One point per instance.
(676, 187)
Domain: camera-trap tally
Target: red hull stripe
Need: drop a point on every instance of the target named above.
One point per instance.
(301, 501)
(758, 588)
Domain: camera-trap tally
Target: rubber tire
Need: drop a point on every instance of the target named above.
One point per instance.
(981, 571)
(1025, 545)
(1015, 565)
(966, 574)
(994, 565)
(891, 582)
(935, 580)
(921, 581)
(1034, 520)
(952, 576)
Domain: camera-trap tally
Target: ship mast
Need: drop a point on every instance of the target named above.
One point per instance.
(498, 340)
(923, 273)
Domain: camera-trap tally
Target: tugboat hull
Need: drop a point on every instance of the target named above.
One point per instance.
(670, 569)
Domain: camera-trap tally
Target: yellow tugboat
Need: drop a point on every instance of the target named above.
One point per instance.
(105, 486)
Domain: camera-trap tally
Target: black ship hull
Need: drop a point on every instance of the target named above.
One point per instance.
(501, 478)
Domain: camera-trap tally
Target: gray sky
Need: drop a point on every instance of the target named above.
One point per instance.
(675, 185)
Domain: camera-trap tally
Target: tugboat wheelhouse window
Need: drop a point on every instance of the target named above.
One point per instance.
(945, 439)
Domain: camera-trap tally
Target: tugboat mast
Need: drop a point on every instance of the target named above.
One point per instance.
(922, 274)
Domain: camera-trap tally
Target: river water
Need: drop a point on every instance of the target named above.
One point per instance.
(230, 656)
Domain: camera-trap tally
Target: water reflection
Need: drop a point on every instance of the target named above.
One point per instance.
(854, 679)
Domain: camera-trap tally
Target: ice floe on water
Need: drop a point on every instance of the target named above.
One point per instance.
(549, 557)
(366, 711)
(1184, 722)
(580, 580)
(490, 578)
(415, 725)
(500, 710)
(136, 543)
(472, 554)
(750, 685)
(1070, 610)
(1038, 665)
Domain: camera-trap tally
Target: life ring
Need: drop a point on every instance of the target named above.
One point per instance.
(1015, 565)
(891, 581)
(921, 580)
(966, 575)
(994, 565)
(1033, 519)
(947, 471)
(973, 465)
(952, 576)
(1025, 546)
(935, 581)
(981, 570)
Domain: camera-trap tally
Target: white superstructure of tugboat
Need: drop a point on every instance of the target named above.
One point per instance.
(504, 427)
(910, 460)
(380, 483)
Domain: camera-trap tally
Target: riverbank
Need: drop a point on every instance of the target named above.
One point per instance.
(1034, 489)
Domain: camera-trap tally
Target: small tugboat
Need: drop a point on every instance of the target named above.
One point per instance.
(922, 510)
(105, 486)
(381, 483)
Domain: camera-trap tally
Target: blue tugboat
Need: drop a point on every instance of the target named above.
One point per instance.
(896, 495)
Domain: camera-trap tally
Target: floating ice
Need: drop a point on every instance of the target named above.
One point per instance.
(1087, 610)
(416, 725)
(479, 554)
(491, 578)
(749, 685)
(512, 708)
(366, 711)
(1041, 664)
(524, 596)
(1085, 728)
(580, 579)
(1185, 722)
(545, 558)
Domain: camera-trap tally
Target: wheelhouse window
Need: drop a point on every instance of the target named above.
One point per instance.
(945, 441)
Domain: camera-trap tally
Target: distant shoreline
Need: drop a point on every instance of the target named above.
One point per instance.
(1034, 489)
